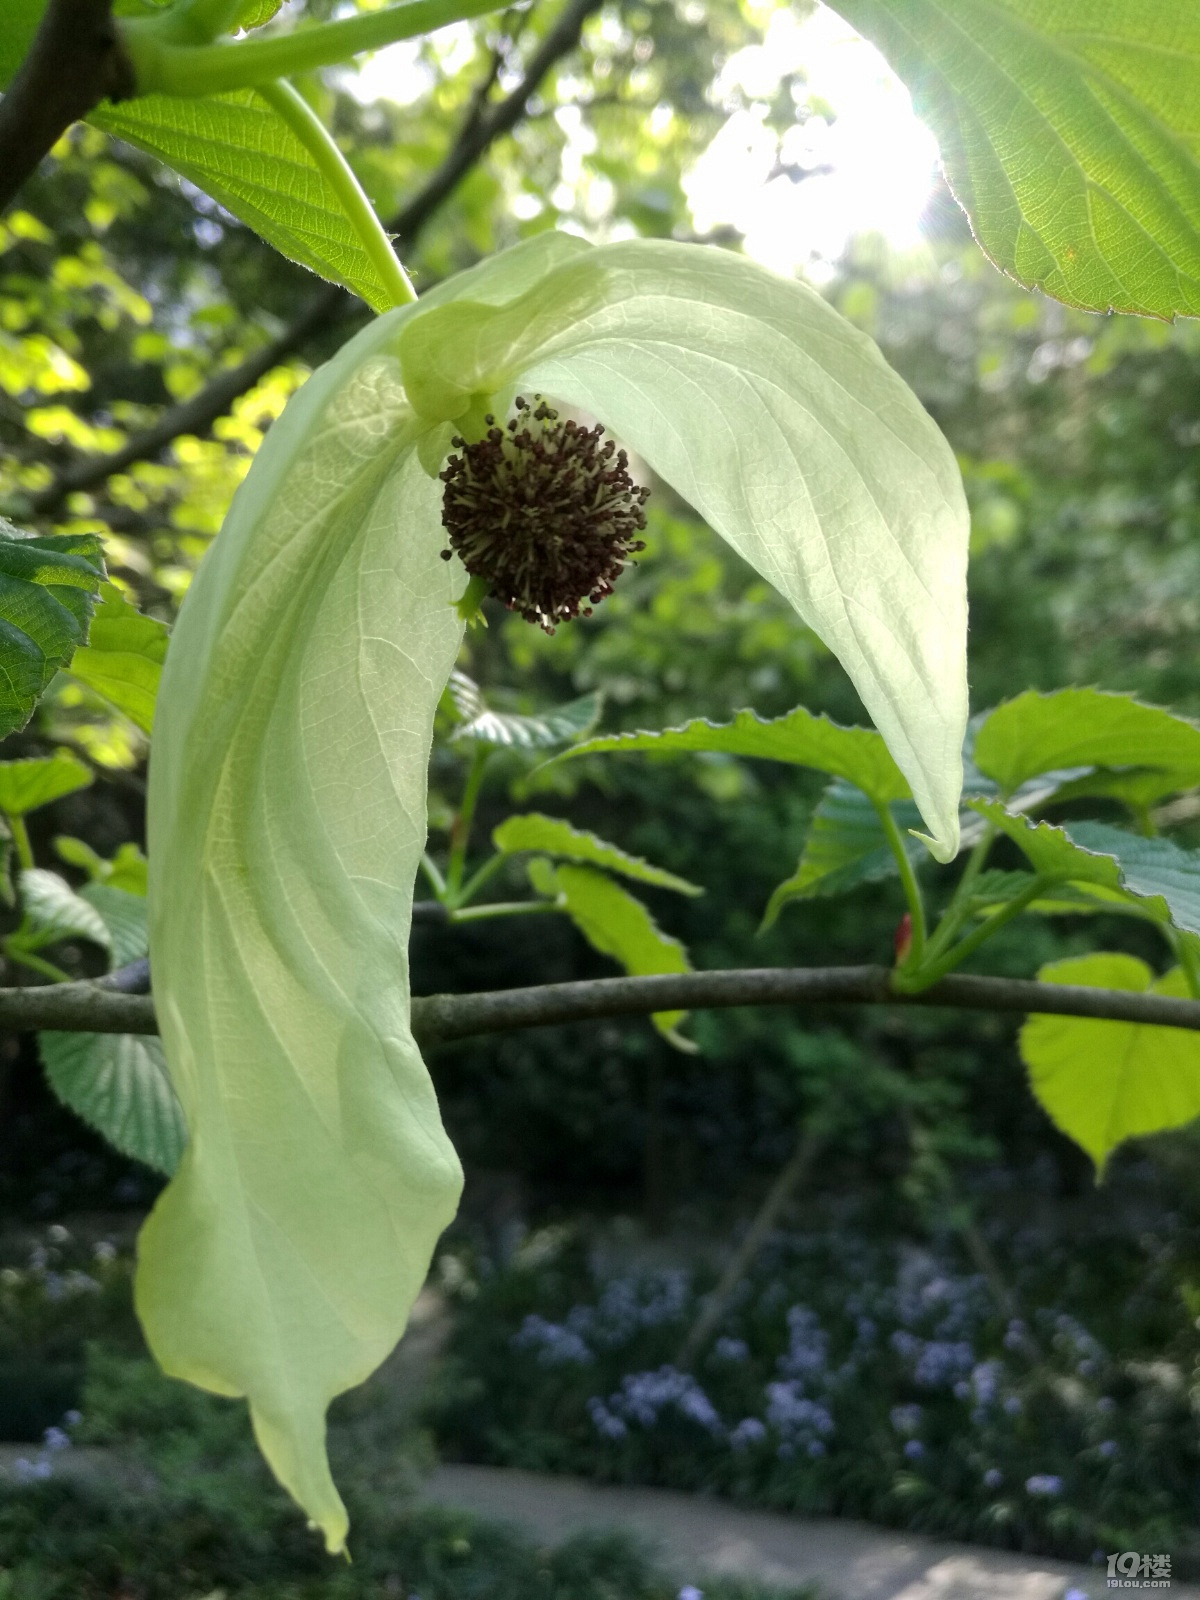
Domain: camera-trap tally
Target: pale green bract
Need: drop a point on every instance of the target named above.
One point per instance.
(287, 788)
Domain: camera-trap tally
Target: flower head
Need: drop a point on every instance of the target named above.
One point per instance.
(544, 511)
(287, 803)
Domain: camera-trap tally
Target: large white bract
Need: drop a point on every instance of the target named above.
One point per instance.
(287, 786)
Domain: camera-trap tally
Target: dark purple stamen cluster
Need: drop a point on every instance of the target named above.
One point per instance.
(543, 512)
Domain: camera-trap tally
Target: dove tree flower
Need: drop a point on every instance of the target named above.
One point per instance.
(287, 786)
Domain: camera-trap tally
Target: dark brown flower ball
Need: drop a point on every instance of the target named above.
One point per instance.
(544, 512)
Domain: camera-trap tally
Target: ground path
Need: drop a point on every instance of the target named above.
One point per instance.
(694, 1536)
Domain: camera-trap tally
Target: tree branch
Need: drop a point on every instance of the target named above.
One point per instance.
(481, 129)
(76, 61)
(107, 1005)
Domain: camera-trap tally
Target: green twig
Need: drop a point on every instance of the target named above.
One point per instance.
(318, 141)
(504, 908)
(908, 879)
(35, 963)
(915, 979)
(20, 839)
(486, 872)
(436, 882)
(959, 909)
(162, 65)
(460, 833)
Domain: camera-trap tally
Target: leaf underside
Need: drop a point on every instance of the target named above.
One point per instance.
(846, 846)
(1069, 135)
(238, 149)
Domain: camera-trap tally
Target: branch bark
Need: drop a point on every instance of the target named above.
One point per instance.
(107, 1006)
(76, 61)
(481, 129)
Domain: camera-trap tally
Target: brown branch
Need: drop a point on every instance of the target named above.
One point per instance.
(76, 60)
(101, 1007)
(481, 129)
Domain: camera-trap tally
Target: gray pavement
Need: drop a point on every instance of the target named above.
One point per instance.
(695, 1537)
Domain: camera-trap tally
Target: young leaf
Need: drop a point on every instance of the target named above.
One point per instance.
(552, 836)
(48, 584)
(1104, 1082)
(1068, 133)
(122, 660)
(26, 785)
(56, 912)
(845, 846)
(539, 732)
(237, 148)
(617, 925)
(858, 755)
(1038, 733)
(118, 1083)
(126, 870)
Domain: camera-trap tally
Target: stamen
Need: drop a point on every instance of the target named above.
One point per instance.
(544, 511)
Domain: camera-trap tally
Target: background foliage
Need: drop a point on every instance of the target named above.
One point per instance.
(124, 291)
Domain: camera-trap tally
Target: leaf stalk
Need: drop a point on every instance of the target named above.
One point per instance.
(319, 142)
(162, 65)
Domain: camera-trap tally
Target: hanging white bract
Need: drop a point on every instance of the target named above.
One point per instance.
(287, 786)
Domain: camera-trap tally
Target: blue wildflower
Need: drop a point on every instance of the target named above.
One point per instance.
(727, 1349)
(748, 1431)
(907, 1419)
(556, 1345)
(1044, 1483)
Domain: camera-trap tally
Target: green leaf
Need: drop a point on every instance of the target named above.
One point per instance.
(18, 23)
(118, 1083)
(1037, 733)
(846, 846)
(1138, 788)
(1069, 135)
(1104, 1082)
(56, 912)
(255, 12)
(858, 755)
(552, 836)
(237, 148)
(26, 785)
(1154, 876)
(540, 732)
(122, 660)
(786, 431)
(1150, 868)
(617, 925)
(47, 588)
(126, 870)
